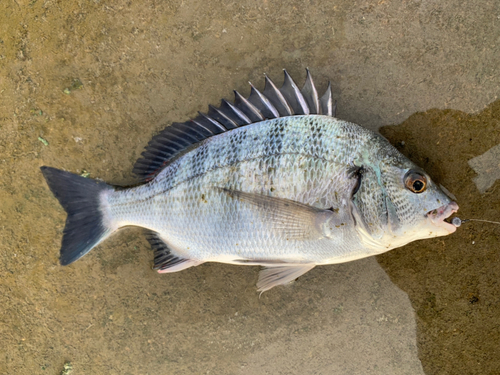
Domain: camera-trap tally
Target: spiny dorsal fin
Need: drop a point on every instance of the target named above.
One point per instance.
(259, 106)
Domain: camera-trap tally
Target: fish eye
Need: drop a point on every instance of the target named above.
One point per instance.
(415, 182)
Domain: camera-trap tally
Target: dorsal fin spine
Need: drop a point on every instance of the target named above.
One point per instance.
(165, 150)
(326, 102)
(169, 142)
(257, 98)
(247, 107)
(193, 129)
(293, 95)
(276, 98)
(175, 137)
(216, 123)
(311, 94)
(237, 112)
(222, 118)
(202, 126)
(178, 133)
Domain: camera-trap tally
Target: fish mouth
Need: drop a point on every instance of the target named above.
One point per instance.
(437, 216)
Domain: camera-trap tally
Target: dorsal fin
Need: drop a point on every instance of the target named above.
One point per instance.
(276, 98)
(259, 106)
(311, 94)
(293, 96)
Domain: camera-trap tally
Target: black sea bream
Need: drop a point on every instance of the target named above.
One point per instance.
(273, 180)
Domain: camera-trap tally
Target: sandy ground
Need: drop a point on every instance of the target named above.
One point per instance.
(85, 84)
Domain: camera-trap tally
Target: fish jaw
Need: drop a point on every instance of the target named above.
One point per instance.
(437, 217)
(432, 225)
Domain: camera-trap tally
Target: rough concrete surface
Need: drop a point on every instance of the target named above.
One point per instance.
(85, 84)
(487, 166)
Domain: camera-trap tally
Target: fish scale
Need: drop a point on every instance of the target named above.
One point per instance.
(273, 180)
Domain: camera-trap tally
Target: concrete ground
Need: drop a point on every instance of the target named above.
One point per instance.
(84, 86)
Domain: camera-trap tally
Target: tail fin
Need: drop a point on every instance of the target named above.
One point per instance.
(80, 197)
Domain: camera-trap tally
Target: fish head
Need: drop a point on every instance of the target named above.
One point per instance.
(416, 207)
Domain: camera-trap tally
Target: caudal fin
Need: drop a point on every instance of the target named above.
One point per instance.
(80, 197)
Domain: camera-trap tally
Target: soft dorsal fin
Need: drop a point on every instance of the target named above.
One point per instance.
(259, 106)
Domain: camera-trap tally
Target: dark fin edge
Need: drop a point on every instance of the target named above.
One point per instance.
(80, 198)
(163, 257)
(164, 260)
(289, 100)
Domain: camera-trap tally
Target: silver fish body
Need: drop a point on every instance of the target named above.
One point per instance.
(287, 193)
(188, 202)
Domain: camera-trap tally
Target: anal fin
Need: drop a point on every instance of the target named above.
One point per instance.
(270, 277)
(165, 261)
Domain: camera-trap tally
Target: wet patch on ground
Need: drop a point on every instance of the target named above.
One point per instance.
(453, 282)
(487, 167)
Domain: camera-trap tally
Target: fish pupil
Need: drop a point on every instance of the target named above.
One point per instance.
(418, 186)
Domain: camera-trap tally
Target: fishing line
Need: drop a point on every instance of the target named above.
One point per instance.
(456, 221)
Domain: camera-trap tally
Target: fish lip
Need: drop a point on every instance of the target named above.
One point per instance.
(437, 216)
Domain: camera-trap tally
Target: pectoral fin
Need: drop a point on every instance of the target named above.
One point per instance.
(291, 219)
(270, 277)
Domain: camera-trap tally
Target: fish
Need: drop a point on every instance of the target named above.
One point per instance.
(273, 180)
